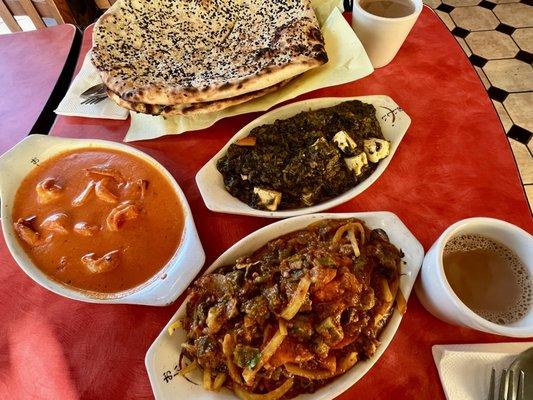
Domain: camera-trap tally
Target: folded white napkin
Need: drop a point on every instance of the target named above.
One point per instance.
(464, 369)
(71, 103)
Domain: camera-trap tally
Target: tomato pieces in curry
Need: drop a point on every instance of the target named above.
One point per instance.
(294, 315)
(98, 219)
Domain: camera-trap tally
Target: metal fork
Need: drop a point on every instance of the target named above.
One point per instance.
(507, 390)
(94, 91)
(95, 94)
(94, 99)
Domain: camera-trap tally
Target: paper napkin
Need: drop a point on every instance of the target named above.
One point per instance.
(323, 8)
(464, 369)
(347, 62)
(71, 103)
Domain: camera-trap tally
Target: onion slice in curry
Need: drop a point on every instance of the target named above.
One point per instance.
(308, 308)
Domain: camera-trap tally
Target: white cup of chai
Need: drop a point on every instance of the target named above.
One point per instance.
(479, 274)
(383, 25)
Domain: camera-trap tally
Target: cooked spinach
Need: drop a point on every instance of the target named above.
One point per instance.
(306, 159)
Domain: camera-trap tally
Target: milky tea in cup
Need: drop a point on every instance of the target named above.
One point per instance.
(488, 277)
(388, 8)
(383, 25)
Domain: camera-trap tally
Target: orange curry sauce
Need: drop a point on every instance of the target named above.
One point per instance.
(98, 219)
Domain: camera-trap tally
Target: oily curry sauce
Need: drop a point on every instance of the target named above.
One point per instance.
(98, 219)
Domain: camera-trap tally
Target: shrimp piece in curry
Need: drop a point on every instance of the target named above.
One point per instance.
(98, 219)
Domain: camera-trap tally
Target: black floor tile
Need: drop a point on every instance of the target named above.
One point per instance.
(497, 94)
(445, 7)
(504, 28)
(478, 61)
(487, 4)
(460, 32)
(518, 133)
(524, 56)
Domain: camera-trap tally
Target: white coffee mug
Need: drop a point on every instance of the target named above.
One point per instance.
(438, 297)
(382, 37)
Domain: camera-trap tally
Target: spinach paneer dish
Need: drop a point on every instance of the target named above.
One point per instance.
(306, 159)
(295, 314)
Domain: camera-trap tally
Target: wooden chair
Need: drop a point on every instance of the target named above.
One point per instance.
(59, 10)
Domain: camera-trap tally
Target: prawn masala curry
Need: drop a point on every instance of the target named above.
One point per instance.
(97, 219)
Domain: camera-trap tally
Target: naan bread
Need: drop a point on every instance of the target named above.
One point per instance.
(190, 51)
(192, 108)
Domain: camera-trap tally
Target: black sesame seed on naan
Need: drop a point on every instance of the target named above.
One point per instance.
(168, 52)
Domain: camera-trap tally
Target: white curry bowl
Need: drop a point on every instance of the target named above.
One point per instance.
(162, 356)
(393, 122)
(163, 288)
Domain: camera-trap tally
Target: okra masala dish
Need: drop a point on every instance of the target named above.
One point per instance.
(295, 314)
(304, 160)
(97, 219)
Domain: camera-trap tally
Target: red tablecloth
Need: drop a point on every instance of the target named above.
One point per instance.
(454, 163)
(30, 65)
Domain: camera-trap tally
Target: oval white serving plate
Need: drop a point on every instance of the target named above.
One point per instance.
(393, 121)
(162, 289)
(162, 356)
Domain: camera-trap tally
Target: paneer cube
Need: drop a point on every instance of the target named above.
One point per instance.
(376, 149)
(356, 163)
(344, 142)
(270, 199)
